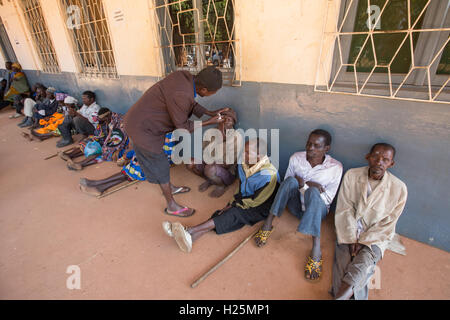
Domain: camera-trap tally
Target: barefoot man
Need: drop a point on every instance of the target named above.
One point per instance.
(369, 204)
(164, 107)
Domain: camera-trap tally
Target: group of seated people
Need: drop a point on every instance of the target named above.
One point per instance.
(368, 206)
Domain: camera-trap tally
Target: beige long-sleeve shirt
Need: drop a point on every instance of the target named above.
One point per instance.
(378, 213)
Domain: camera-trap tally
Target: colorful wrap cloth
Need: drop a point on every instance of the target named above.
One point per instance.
(133, 169)
(117, 140)
(51, 125)
(112, 138)
(19, 84)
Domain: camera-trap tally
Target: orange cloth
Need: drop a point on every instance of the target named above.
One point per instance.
(52, 124)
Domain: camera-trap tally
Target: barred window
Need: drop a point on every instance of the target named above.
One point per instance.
(196, 33)
(39, 32)
(86, 21)
(396, 49)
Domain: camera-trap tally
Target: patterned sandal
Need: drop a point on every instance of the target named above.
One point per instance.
(263, 236)
(311, 266)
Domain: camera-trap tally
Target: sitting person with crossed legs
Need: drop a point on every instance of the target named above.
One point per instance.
(221, 174)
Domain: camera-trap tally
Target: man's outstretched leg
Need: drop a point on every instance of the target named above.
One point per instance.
(288, 195)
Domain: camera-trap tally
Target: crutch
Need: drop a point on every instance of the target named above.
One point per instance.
(117, 189)
(221, 262)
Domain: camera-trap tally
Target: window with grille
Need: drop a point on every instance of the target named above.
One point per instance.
(196, 33)
(37, 26)
(87, 24)
(396, 49)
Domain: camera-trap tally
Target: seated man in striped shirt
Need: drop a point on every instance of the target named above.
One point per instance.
(309, 186)
(258, 183)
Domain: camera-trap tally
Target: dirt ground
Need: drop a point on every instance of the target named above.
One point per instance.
(47, 224)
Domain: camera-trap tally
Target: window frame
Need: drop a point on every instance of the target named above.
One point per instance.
(435, 11)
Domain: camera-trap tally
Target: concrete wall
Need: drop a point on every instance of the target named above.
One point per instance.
(280, 46)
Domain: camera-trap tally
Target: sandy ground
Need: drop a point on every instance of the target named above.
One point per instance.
(47, 224)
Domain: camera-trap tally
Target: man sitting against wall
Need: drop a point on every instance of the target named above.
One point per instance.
(309, 187)
(258, 183)
(83, 121)
(369, 203)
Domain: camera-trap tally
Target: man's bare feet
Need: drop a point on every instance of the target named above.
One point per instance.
(217, 192)
(64, 156)
(74, 166)
(204, 186)
(90, 190)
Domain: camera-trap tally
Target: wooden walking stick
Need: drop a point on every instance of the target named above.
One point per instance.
(221, 262)
(117, 189)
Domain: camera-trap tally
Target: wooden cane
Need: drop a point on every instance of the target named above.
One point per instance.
(52, 156)
(221, 262)
(115, 190)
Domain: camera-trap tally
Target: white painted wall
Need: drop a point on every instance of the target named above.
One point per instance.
(279, 40)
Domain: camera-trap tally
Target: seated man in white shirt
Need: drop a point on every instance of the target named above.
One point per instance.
(369, 204)
(84, 120)
(310, 185)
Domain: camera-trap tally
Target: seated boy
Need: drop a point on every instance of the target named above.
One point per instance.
(258, 182)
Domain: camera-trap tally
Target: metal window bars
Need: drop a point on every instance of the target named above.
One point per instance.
(39, 32)
(86, 21)
(337, 73)
(193, 34)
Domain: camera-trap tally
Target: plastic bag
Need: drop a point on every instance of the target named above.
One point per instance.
(92, 147)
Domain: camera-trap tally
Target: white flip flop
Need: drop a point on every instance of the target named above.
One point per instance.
(167, 227)
(182, 237)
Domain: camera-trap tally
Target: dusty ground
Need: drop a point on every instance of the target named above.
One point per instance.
(47, 224)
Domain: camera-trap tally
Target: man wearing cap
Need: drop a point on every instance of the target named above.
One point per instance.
(84, 120)
(167, 106)
(46, 108)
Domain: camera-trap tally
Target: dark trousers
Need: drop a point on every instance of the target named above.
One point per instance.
(81, 125)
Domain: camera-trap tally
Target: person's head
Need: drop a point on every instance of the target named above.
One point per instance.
(380, 158)
(208, 81)
(88, 98)
(50, 93)
(16, 67)
(254, 150)
(318, 144)
(104, 115)
(230, 119)
(36, 86)
(70, 102)
(8, 65)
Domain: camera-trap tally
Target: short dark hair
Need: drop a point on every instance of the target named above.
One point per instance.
(384, 145)
(323, 133)
(102, 111)
(90, 94)
(209, 78)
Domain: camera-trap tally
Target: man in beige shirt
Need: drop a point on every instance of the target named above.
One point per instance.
(370, 201)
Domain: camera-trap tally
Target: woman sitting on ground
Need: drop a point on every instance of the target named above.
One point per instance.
(109, 135)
